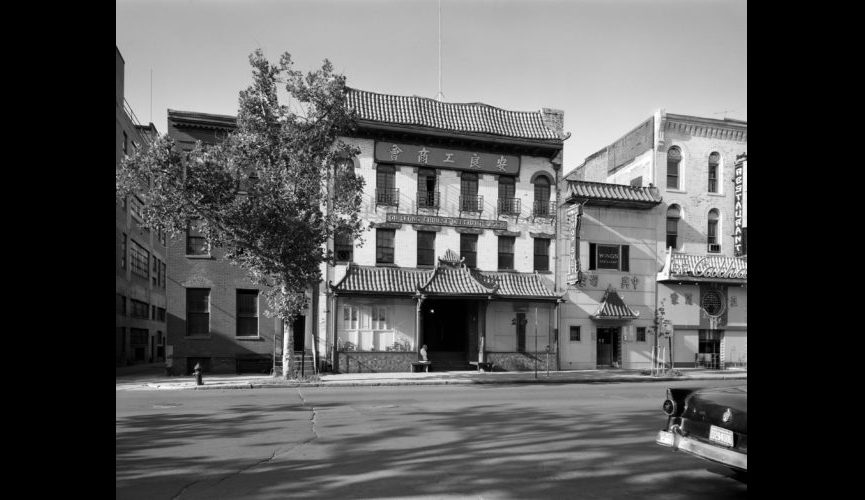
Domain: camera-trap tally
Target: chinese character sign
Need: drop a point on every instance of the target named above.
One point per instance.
(456, 159)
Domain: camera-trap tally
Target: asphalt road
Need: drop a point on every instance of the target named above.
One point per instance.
(491, 441)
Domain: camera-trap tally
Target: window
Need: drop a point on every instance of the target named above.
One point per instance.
(712, 231)
(506, 252)
(575, 334)
(379, 318)
(196, 243)
(674, 157)
(673, 216)
(508, 202)
(469, 199)
(139, 259)
(160, 314)
(138, 336)
(140, 310)
(385, 192)
(161, 234)
(123, 252)
(121, 305)
(714, 160)
(153, 313)
(247, 313)
(427, 196)
(350, 318)
(641, 334)
(155, 273)
(343, 247)
(613, 257)
(162, 275)
(135, 207)
(426, 248)
(197, 311)
(542, 196)
(384, 244)
(542, 254)
(469, 249)
(125, 143)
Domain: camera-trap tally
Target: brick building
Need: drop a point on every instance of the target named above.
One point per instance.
(459, 254)
(140, 265)
(699, 167)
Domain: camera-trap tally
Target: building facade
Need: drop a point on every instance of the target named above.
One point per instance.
(459, 252)
(699, 167)
(140, 255)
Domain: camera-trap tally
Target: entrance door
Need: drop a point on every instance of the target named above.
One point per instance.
(299, 330)
(608, 340)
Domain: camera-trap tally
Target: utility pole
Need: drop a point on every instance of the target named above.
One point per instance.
(536, 341)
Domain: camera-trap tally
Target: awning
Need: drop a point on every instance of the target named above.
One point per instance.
(613, 307)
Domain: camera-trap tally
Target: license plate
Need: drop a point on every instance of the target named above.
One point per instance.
(720, 435)
(665, 438)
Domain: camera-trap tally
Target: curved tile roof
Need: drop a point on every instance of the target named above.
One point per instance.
(520, 285)
(613, 307)
(384, 280)
(460, 117)
(612, 192)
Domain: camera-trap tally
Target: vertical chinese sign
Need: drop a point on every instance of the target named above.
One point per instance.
(574, 218)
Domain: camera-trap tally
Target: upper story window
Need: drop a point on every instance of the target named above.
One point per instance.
(139, 258)
(506, 252)
(384, 245)
(125, 143)
(542, 254)
(674, 213)
(674, 158)
(612, 257)
(123, 252)
(712, 231)
(508, 201)
(427, 194)
(386, 192)
(343, 247)
(542, 195)
(470, 201)
(714, 161)
(469, 249)
(196, 243)
(426, 246)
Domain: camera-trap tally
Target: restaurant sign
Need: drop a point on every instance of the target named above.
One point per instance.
(435, 220)
(738, 210)
(710, 267)
(456, 159)
(575, 215)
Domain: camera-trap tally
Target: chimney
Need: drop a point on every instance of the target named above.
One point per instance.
(554, 119)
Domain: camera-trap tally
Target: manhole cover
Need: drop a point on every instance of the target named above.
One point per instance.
(166, 405)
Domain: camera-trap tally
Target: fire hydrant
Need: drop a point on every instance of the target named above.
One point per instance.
(197, 372)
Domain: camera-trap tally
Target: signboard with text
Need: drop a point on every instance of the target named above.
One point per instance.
(608, 256)
(573, 234)
(435, 220)
(456, 159)
(739, 207)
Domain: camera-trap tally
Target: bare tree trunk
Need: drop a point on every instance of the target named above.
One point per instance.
(288, 368)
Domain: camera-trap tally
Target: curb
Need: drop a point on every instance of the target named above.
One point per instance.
(394, 383)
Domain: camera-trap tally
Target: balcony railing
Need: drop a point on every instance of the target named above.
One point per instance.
(544, 209)
(387, 197)
(428, 199)
(509, 206)
(471, 203)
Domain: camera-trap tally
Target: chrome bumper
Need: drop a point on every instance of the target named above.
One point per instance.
(729, 458)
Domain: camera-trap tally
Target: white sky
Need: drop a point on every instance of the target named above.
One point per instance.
(608, 64)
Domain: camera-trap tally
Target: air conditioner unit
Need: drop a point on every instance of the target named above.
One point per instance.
(715, 247)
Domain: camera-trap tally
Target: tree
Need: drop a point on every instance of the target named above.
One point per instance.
(260, 196)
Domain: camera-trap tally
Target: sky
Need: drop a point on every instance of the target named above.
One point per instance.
(608, 64)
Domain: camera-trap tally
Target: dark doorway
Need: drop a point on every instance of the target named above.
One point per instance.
(521, 332)
(447, 328)
(609, 343)
(299, 331)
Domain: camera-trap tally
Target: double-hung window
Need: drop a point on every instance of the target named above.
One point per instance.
(506, 252)
(196, 243)
(469, 249)
(674, 158)
(426, 245)
(384, 246)
(247, 313)
(197, 311)
(542, 254)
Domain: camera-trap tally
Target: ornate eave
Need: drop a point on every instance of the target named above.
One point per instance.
(612, 307)
(690, 268)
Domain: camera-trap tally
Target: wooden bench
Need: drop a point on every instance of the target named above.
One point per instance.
(418, 364)
(482, 366)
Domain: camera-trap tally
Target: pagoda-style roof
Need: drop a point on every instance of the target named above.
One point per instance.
(613, 307)
(475, 117)
(683, 267)
(602, 193)
(450, 278)
(201, 120)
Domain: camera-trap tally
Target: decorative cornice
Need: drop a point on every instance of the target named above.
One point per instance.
(731, 130)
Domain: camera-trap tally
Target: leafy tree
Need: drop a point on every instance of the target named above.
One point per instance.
(261, 196)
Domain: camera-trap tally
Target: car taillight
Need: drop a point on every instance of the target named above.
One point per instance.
(669, 407)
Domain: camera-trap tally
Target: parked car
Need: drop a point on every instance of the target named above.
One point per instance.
(709, 423)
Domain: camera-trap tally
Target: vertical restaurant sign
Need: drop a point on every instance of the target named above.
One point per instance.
(456, 159)
(738, 209)
(574, 221)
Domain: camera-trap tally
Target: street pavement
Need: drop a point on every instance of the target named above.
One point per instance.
(152, 377)
(496, 441)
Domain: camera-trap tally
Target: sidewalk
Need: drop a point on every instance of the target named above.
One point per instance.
(153, 378)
